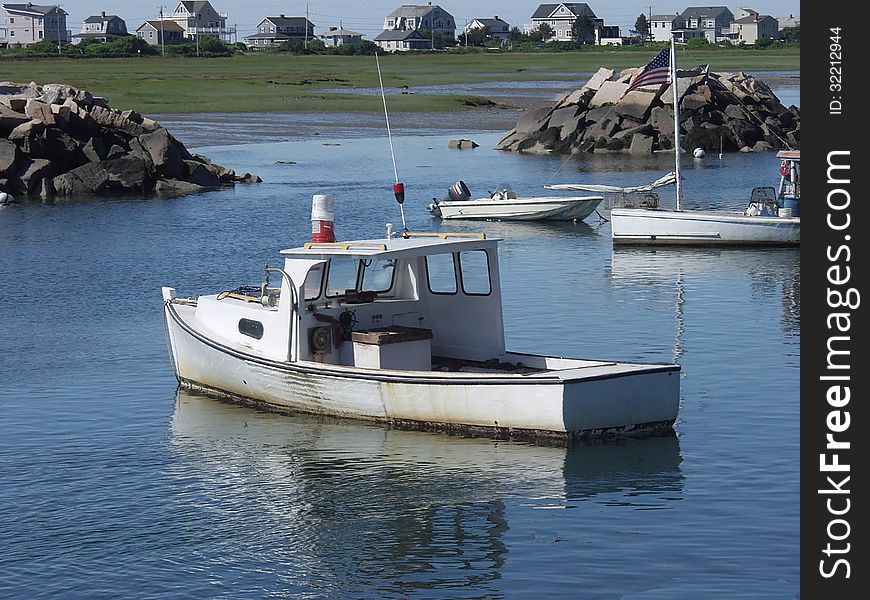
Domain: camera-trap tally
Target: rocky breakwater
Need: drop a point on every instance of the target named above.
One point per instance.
(734, 112)
(57, 141)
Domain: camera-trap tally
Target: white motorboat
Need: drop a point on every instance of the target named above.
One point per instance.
(768, 221)
(406, 330)
(504, 205)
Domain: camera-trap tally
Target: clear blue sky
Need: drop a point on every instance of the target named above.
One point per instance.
(368, 16)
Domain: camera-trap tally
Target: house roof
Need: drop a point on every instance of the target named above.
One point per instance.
(283, 21)
(701, 12)
(397, 35)
(343, 32)
(414, 10)
(102, 18)
(749, 20)
(668, 18)
(579, 9)
(167, 25)
(33, 8)
(195, 6)
(493, 23)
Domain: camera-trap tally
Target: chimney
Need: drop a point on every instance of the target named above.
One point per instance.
(103, 14)
(282, 15)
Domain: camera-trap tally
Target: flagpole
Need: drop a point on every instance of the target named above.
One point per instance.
(676, 90)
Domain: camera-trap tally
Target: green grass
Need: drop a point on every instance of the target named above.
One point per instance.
(278, 82)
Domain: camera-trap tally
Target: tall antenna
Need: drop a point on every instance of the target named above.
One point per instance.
(398, 186)
(675, 88)
(162, 34)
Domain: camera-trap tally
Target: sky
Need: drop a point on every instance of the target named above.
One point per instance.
(367, 16)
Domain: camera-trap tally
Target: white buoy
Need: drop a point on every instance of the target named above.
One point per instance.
(698, 153)
(322, 218)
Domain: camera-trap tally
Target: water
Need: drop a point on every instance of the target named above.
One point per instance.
(113, 484)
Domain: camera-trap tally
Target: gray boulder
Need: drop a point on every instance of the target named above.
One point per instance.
(9, 156)
(176, 187)
(88, 179)
(200, 174)
(167, 159)
(33, 173)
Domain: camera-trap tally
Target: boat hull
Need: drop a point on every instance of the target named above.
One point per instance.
(555, 208)
(702, 228)
(634, 399)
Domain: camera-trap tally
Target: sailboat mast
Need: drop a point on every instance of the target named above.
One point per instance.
(676, 91)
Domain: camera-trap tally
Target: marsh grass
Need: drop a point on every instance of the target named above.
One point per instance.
(286, 83)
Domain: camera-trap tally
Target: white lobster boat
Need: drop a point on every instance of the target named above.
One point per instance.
(505, 205)
(406, 330)
(767, 221)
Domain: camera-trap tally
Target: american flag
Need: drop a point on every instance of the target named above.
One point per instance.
(657, 71)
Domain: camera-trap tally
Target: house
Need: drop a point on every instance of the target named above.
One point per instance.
(661, 26)
(713, 21)
(198, 18)
(274, 30)
(158, 33)
(397, 40)
(754, 27)
(497, 29)
(336, 36)
(103, 27)
(561, 18)
(28, 23)
(430, 18)
(608, 35)
(788, 21)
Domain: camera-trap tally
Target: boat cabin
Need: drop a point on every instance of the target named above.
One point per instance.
(390, 303)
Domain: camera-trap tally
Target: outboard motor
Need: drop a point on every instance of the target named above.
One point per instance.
(458, 192)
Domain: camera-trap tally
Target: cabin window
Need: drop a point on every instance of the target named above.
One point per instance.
(441, 273)
(474, 268)
(378, 275)
(342, 276)
(313, 282)
(251, 328)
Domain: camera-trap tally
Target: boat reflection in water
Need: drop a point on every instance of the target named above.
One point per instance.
(395, 510)
(773, 274)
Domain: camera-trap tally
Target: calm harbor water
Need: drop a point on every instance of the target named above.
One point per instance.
(116, 485)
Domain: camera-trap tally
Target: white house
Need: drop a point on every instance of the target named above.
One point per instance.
(198, 18)
(158, 33)
(561, 18)
(336, 36)
(402, 41)
(429, 17)
(713, 23)
(103, 27)
(661, 26)
(498, 28)
(754, 27)
(272, 31)
(28, 23)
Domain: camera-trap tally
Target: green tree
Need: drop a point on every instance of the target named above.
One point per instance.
(212, 46)
(515, 35)
(475, 37)
(790, 35)
(316, 45)
(583, 30)
(546, 31)
(641, 28)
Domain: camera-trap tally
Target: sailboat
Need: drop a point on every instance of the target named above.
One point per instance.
(769, 220)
